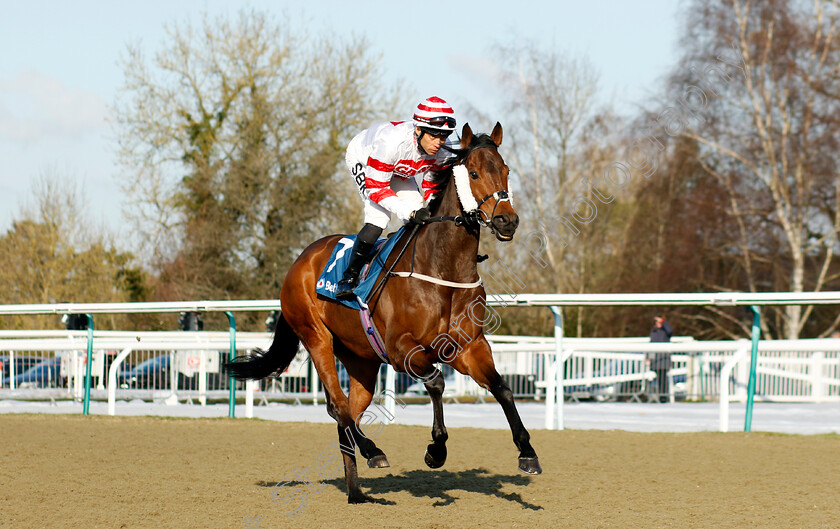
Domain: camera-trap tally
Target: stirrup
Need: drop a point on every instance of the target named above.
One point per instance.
(344, 289)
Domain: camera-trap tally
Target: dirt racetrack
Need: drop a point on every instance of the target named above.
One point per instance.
(115, 472)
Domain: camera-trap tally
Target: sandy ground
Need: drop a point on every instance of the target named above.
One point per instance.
(113, 472)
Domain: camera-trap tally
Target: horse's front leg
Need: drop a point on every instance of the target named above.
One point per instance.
(476, 361)
(528, 460)
(419, 364)
(436, 452)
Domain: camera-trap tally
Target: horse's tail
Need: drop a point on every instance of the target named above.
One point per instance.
(261, 364)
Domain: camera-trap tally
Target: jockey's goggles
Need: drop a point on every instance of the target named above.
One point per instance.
(437, 133)
(441, 121)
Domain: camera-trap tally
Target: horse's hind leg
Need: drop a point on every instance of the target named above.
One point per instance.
(477, 362)
(436, 452)
(319, 342)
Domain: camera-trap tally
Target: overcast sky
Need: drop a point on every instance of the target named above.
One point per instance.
(59, 71)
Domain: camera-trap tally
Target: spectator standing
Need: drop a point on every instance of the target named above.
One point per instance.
(660, 363)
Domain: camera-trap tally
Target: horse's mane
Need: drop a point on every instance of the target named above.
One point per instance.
(478, 141)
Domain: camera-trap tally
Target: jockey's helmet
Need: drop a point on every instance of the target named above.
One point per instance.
(435, 116)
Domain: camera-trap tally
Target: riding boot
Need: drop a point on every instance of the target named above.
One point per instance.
(359, 257)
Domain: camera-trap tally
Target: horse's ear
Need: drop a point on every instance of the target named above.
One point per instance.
(496, 135)
(466, 136)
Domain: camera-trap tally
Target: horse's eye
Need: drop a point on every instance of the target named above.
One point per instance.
(473, 175)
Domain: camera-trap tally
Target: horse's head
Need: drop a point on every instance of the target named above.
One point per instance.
(486, 177)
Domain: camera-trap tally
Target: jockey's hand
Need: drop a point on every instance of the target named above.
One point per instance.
(420, 216)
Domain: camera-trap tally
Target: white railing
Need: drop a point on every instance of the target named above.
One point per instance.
(195, 348)
(788, 371)
(554, 405)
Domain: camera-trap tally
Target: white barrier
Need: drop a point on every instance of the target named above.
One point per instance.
(128, 342)
(812, 364)
(816, 371)
(754, 300)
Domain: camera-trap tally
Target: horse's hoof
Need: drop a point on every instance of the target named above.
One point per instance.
(530, 465)
(379, 461)
(360, 497)
(437, 460)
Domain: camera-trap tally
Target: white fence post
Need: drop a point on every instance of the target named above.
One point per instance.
(725, 374)
(78, 379)
(314, 381)
(815, 369)
(112, 380)
(202, 377)
(173, 375)
(742, 376)
(558, 420)
(691, 381)
(390, 392)
(12, 374)
(550, 400)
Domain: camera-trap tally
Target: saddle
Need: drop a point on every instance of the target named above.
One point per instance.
(334, 270)
(340, 258)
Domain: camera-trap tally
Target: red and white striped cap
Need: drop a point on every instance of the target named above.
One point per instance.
(435, 113)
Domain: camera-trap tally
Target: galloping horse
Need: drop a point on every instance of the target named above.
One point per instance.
(412, 313)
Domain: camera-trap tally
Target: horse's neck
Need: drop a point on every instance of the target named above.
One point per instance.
(451, 249)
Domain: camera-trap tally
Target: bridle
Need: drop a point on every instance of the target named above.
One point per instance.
(477, 216)
(500, 196)
(473, 214)
(474, 217)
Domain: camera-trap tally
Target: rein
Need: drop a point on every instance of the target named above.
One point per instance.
(467, 219)
(389, 272)
(459, 220)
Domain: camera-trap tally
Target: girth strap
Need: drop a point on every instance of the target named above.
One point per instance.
(371, 333)
(437, 281)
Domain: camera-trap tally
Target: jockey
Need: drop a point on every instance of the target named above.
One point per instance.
(386, 160)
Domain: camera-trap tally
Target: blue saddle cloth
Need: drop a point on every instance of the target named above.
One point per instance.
(340, 258)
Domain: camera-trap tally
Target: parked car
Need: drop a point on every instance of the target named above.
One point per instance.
(22, 364)
(43, 375)
(418, 389)
(401, 383)
(621, 390)
(151, 374)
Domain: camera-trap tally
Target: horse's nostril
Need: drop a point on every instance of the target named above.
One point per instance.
(507, 221)
(505, 225)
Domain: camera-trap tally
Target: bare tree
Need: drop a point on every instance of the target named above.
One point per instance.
(771, 136)
(560, 146)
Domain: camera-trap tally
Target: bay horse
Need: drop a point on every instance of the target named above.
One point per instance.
(412, 314)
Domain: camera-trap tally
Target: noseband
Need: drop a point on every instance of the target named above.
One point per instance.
(500, 196)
